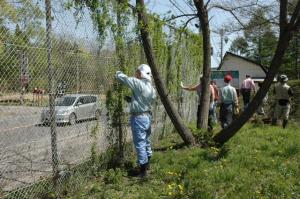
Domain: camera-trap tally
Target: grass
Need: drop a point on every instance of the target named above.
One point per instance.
(295, 112)
(259, 162)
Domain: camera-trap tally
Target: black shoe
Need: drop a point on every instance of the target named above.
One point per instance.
(274, 122)
(148, 164)
(134, 172)
(284, 123)
(144, 170)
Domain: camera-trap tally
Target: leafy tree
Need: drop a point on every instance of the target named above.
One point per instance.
(259, 41)
(240, 46)
(183, 131)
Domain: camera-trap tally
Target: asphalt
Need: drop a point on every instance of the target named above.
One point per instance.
(25, 145)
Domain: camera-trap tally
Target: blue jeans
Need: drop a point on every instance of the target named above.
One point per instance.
(214, 112)
(141, 130)
(226, 114)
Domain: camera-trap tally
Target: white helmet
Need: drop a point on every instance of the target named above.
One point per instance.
(145, 71)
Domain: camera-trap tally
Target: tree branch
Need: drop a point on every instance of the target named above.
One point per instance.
(296, 26)
(187, 22)
(234, 8)
(183, 15)
(256, 25)
(295, 13)
(206, 5)
(231, 12)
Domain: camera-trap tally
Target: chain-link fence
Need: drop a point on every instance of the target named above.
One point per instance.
(61, 68)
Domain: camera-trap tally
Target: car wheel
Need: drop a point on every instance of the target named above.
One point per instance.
(72, 119)
(97, 115)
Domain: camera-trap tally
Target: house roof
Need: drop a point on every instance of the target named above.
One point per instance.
(244, 58)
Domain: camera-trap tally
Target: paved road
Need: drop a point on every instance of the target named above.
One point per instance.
(25, 145)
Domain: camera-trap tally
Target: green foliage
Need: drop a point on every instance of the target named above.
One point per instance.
(256, 163)
(113, 176)
(295, 109)
(259, 41)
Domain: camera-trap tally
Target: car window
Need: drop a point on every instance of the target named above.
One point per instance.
(65, 101)
(94, 99)
(81, 100)
(87, 99)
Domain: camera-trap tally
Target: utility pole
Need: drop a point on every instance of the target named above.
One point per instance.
(222, 44)
(223, 39)
(51, 92)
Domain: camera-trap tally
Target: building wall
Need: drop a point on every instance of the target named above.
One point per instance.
(244, 67)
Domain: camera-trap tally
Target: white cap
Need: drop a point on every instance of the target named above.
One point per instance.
(145, 71)
(283, 78)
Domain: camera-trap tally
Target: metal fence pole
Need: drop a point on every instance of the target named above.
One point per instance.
(51, 92)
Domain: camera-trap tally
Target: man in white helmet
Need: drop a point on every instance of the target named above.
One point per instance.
(282, 93)
(143, 95)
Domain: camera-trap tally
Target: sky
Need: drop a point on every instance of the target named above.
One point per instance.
(179, 7)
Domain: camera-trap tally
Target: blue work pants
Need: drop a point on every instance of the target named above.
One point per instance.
(141, 130)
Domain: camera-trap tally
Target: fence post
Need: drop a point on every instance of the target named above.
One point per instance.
(51, 91)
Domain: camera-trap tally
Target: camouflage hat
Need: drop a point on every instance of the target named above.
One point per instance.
(283, 78)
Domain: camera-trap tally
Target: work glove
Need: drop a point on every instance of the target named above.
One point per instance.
(181, 85)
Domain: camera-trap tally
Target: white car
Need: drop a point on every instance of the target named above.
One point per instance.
(72, 108)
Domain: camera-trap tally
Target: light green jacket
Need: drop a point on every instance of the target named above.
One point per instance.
(143, 93)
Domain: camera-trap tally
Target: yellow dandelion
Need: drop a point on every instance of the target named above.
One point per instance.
(180, 187)
(214, 148)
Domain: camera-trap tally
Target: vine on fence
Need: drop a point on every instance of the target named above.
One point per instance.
(112, 18)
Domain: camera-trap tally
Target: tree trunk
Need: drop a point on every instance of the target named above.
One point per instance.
(183, 131)
(120, 50)
(202, 120)
(286, 33)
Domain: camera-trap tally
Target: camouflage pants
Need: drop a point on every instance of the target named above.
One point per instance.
(282, 111)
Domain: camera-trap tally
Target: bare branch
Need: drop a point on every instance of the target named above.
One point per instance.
(187, 22)
(207, 4)
(233, 8)
(183, 15)
(190, 6)
(176, 6)
(295, 14)
(296, 26)
(232, 13)
(167, 24)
